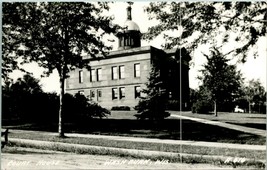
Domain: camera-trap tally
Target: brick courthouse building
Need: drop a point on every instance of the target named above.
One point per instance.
(117, 79)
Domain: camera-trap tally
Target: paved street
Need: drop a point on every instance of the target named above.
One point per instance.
(26, 158)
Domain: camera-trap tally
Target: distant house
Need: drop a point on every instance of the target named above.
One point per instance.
(117, 79)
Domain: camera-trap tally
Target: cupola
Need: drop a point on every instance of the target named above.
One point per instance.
(129, 36)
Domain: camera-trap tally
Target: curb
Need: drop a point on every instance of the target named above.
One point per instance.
(99, 150)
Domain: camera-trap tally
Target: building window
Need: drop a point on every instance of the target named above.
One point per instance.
(114, 93)
(137, 70)
(80, 76)
(121, 72)
(99, 95)
(137, 91)
(98, 74)
(114, 73)
(81, 92)
(92, 93)
(129, 41)
(126, 41)
(93, 75)
(122, 92)
(122, 42)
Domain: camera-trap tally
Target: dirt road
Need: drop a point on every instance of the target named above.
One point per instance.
(24, 158)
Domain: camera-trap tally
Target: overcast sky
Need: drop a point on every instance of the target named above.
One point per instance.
(253, 68)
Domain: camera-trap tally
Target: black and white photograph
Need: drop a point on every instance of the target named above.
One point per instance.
(133, 85)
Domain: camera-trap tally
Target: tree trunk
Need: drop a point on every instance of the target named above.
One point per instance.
(215, 109)
(249, 107)
(61, 95)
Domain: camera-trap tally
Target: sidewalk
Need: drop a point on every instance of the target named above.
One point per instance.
(179, 143)
(225, 125)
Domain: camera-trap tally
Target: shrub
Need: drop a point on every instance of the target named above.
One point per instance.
(125, 108)
(79, 107)
(201, 106)
(95, 110)
(150, 115)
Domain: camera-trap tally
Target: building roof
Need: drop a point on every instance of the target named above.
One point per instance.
(121, 53)
(130, 25)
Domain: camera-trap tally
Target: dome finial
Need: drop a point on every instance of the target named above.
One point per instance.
(129, 8)
(130, 3)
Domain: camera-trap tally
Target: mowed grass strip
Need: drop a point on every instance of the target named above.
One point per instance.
(188, 149)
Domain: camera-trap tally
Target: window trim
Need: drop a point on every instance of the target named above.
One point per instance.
(113, 75)
(115, 93)
(122, 92)
(120, 72)
(93, 75)
(98, 76)
(135, 70)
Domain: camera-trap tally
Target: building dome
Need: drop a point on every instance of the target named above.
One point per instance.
(129, 36)
(129, 25)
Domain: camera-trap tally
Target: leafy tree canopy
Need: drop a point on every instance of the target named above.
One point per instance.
(220, 78)
(195, 23)
(28, 84)
(22, 97)
(152, 104)
(254, 92)
(53, 34)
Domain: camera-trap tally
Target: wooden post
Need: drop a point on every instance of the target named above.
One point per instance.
(6, 136)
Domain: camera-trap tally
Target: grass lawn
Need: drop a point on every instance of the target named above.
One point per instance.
(257, 121)
(123, 123)
(240, 118)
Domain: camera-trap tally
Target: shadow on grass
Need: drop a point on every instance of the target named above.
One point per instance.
(165, 129)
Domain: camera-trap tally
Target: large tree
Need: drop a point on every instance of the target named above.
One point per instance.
(55, 34)
(190, 24)
(152, 103)
(220, 78)
(20, 97)
(255, 93)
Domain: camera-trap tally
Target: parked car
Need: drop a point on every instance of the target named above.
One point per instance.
(239, 110)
